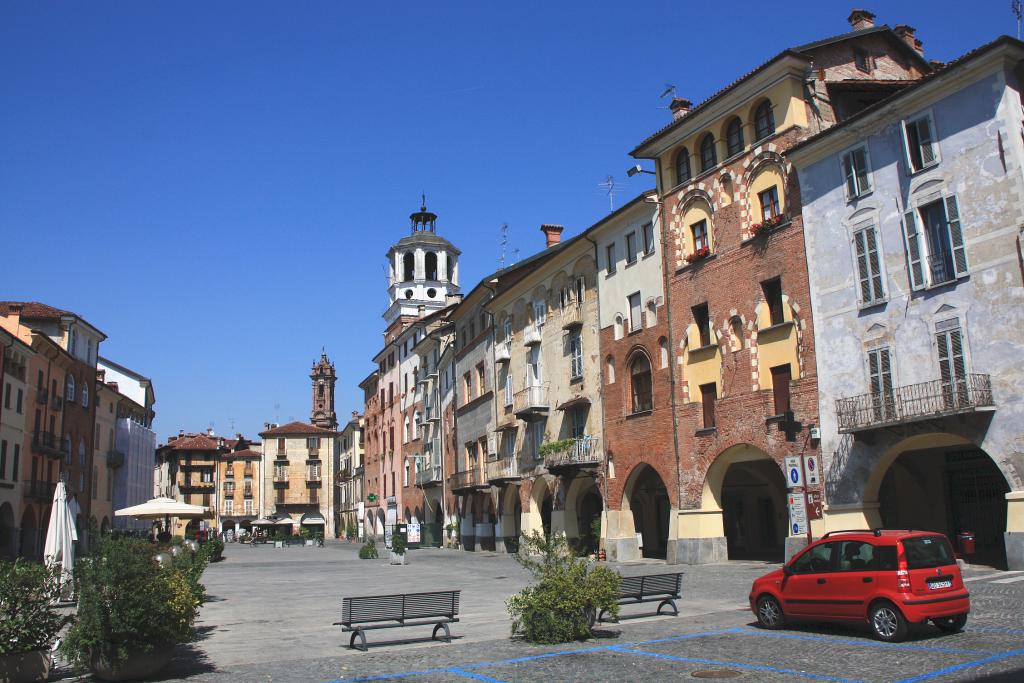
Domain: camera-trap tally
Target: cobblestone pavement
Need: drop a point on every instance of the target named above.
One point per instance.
(272, 609)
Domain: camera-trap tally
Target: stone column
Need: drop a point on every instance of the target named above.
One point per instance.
(1014, 536)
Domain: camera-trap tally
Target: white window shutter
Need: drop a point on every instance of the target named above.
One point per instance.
(956, 236)
(911, 238)
(848, 174)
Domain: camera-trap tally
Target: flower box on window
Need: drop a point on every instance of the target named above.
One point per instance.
(698, 255)
(767, 225)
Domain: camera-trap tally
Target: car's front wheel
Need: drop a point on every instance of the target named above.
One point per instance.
(887, 622)
(951, 624)
(769, 613)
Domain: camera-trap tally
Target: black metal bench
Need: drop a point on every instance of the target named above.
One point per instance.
(664, 589)
(360, 614)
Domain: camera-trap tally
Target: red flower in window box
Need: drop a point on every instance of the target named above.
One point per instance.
(766, 225)
(699, 254)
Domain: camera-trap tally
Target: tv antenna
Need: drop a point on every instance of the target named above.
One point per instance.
(608, 184)
(669, 91)
(1018, 11)
(231, 421)
(504, 244)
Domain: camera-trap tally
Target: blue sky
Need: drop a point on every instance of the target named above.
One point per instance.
(214, 185)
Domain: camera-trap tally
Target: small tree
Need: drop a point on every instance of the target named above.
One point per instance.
(28, 619)
(563, 603)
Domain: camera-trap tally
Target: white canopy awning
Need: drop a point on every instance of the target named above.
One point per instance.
(313, 521)
(158, 508)
(286, 520)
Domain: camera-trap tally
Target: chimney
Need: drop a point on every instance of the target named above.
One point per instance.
(906, 34)
(420, 309)
(680, 107)
(209, 431)
(861, 19)
(181, 433)
(553, 233)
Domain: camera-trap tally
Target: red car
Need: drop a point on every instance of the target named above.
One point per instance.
(887, 578)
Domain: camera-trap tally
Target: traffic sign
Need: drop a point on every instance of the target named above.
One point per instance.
(797, 514)
(794, 474)
(814, 509)
(813, 471)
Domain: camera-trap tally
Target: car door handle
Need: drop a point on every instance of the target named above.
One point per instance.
(821, 580)
(867, 579)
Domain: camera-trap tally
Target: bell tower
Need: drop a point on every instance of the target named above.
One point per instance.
(323, 377)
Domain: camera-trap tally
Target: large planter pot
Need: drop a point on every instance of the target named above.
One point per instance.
(397, 558)
(25, 667)
(138, 665)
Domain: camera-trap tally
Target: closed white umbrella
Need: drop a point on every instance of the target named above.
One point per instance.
(61, 536)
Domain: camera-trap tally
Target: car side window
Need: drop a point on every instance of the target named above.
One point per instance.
(816, 560)
(856, 556)
(885, 558)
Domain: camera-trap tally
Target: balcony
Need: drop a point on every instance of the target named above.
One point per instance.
(314, 453)
(57, 403)
(229, 491)
(344, 474)
(115, 458)
(42, 396)
(280, 479)
(531, 402)
(39, 490)
(313, 479)
(247, 492)
(503, 352)
(197, 485)
(505, 469)
(914, 403)
(429, 476)
(572, 316)
(581, 451)
(467, 480)
(47, 444)
(531, 335)
(431, 413)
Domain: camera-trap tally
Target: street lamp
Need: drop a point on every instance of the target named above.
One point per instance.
(634, 170)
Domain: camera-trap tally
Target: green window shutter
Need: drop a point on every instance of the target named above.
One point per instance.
(924, 136)
(874, 266)
(911, 238)
(956, 236)
(860, 241)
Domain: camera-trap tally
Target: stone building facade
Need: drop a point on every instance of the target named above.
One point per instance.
(913, 212)
(298, 458)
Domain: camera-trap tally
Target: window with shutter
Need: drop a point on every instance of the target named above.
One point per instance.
(956, 236)
(635, 312)
(869, 271)
(576, 356)
(920, 139)
(683, 166)
(631, 247)
(610, 258)
(912, 241)
(880, 377)
(952, 368)
(856, 172)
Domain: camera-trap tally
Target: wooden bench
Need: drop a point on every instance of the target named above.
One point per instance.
(360, 614)
(664, 589)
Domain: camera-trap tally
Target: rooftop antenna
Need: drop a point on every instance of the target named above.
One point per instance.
(504, 244)
(231, 421)
(1015, 6)
(515, 255)
(609, 186)
(670, 91)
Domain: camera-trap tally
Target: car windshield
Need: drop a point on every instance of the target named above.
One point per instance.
(924, 552)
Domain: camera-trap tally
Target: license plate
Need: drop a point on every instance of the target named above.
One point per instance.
(948, 583)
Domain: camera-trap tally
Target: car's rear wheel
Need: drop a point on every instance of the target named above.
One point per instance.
(951, 624)
(887, 622)
(769, 613)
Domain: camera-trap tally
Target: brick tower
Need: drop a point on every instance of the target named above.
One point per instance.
(323, 394)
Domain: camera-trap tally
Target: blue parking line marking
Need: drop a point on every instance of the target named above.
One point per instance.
(862, 643)
(533, 658)
(469, 674)
(687, 636)
(996, 629)
(738, 665)
(961, 667)
(387, 677)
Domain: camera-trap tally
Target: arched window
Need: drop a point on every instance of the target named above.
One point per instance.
(764, 120)
(708, 156)
(85, 395)
(610, 369)
(69, 391)
(663, 347)
(734, 136)
(431, 263)
(735, 335)
(81, 452)
(652, 313)
(640, 382)
(618, 326)
(683, 166)
(408, 266)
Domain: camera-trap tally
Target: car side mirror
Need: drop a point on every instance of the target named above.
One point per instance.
(787, 570)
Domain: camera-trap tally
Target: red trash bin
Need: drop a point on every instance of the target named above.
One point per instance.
(965, 539)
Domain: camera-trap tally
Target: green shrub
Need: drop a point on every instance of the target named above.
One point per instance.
(128, 603)
(563, 603)
(398, 544)
(306, 533)
(28, 621)
(214, 549)
(368, 551)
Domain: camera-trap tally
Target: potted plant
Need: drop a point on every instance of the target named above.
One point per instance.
(368, 551)
(397, 549)
(766, 226)
(29, 624)
(698, 254)
(131, 610)
(215, 548)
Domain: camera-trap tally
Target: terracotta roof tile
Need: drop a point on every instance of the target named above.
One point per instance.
(247, 453)
(194, 442)
(296, 428)
(33, 310)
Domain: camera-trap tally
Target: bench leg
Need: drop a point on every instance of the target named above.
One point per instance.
(671, 603)
(447, 633)
(362, 639)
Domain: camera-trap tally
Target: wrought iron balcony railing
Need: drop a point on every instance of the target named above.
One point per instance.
(39, 490)
(503, 469)
(467, 479)
(913, 402)
(581, 450)
(42, 396)
(115, 458)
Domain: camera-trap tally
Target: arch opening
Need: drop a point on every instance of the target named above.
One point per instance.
(754, 510)
(648, 500)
